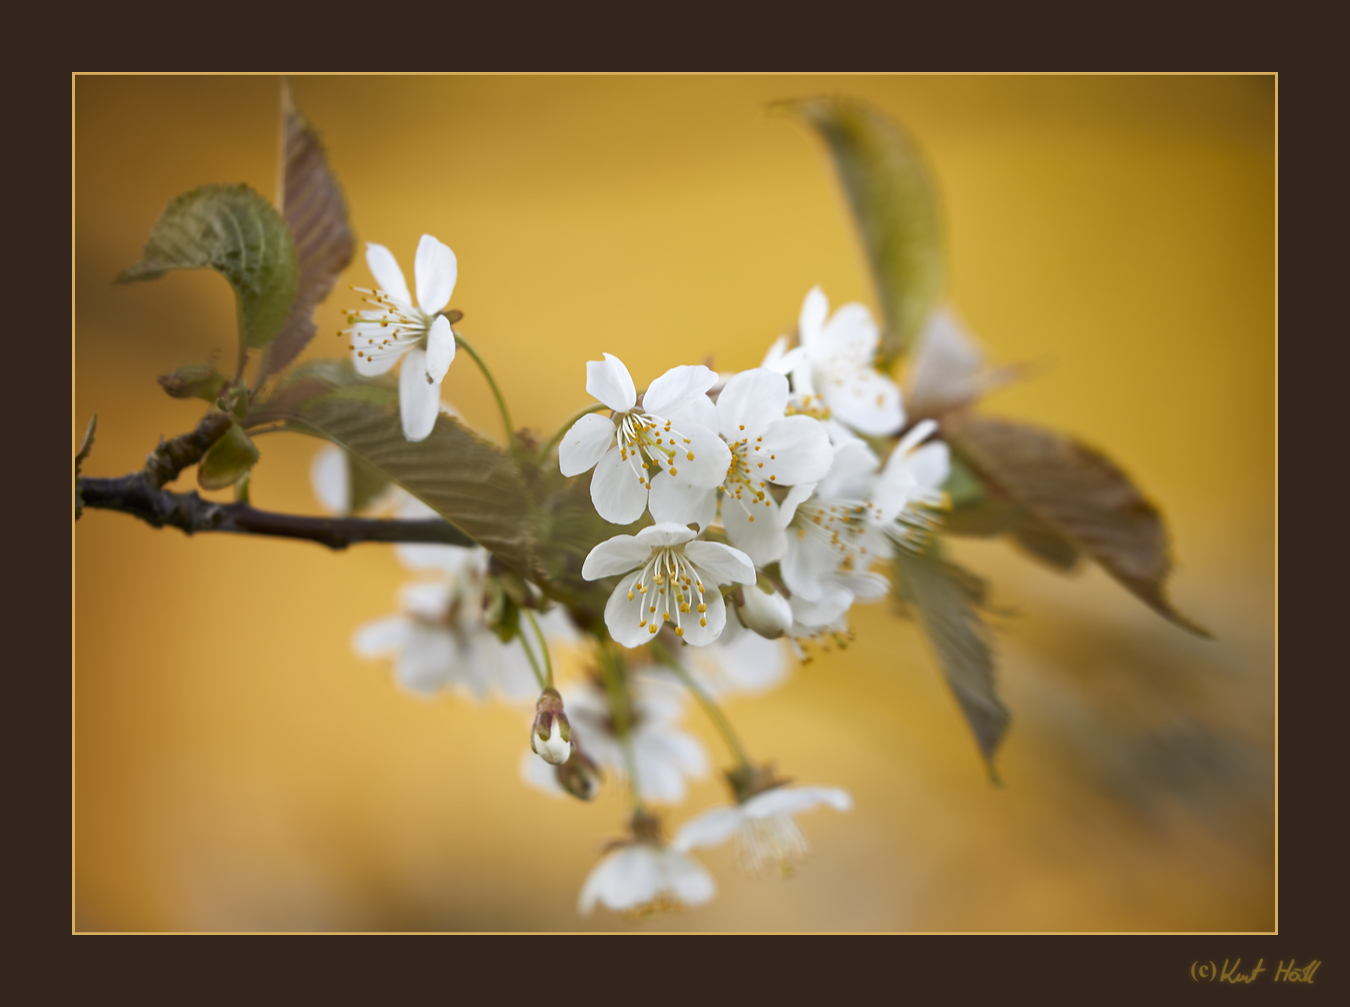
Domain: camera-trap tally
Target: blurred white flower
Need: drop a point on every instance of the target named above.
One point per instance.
(835, 363)
(330, 476)
(678, 577)
(396, 327)
(947, 369)
(767, 836)
(643, 877)
(741, 662)
(768, 449)
(665, 755)
(671, 433)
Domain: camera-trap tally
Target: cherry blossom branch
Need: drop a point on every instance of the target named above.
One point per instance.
(134, 495)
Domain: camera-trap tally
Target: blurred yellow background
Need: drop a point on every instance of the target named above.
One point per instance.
(237, 767)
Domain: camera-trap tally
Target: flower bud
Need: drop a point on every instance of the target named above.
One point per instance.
(551, 735)
(579, 775)
(768, 614)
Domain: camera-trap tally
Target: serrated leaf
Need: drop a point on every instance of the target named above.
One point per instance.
(312, 205)
(895, 206)
(943, 598)
(469, 481)
(235, 231)
(1077, 493)
(228, 460)
(367, 483)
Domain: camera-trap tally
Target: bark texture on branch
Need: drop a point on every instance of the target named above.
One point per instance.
(137, 496)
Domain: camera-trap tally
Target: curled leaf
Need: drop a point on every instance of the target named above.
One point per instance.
(311, 203)
(233, 230)
(1079, 500)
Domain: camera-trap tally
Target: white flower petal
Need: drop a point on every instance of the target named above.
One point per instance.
(427, 600)
(742, 662)
(388, 277)
(625, 618)
(780, 358)
(427, 660)
(914, 436)
(797, 496)
(440, 348)
(723, 564)
(931, 465)
(710, 461)
(585, 443)
(697, 410)
(616, 555)
(852, 334)
(381, 637)
(619, 494)
(750, 402)
(695, 633)
(675, 501)
(658, 779)
(331, 478)
(677, 387)
(687, 879)
(811, 320)
(664, 534)
(623, 879)
(435, 271)
(714, 826)
(792, 800)
(805, 564)
(419, 400)
(609, 382)
(868, 401)
(833, 602)
(762, 539)
(798, 450)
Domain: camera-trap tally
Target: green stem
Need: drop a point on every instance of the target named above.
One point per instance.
(713, 711)
(562, 430)
(497, 392)
(618, 708)
(543, 647)
(534, 665)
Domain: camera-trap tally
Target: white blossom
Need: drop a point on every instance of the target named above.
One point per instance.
(768, 448)
(644, 877)
(440, 640)
(834, 365)
(671, 433)
(396, 326)
(676, 583)
(767, 837)
(741, 662)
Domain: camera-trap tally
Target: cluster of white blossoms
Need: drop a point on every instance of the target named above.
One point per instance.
(764, 489)
(767, 512)
(774, 466)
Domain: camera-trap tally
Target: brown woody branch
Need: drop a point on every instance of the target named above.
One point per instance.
(134, 495)
(142, 494)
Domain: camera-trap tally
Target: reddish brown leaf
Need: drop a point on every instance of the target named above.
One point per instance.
(311, 203)
(1076, 494)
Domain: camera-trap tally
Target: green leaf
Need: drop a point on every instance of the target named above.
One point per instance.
(228, 460)
(193, 381)
(1079, 496)
(895, 205)
(469, 481)
(944, 599)
(233, 230)
(311, 202)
